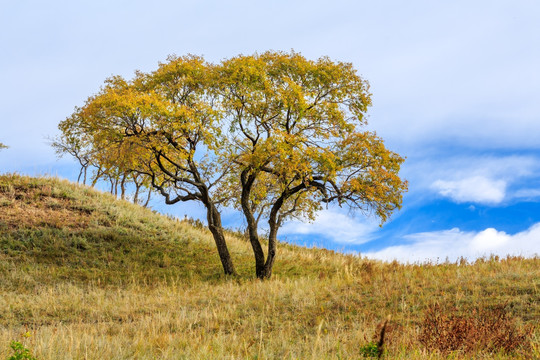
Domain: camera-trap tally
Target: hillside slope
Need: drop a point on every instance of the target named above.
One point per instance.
(62, 230)
(88, 276)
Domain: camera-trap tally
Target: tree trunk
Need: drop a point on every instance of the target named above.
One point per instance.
(136, 195)
(216, 228)
(148, 198)
(85, 169)
(247, 183)
(272, 242)
(80, 174)
(135, 177)
(257, 250)
(275, 221)
(99, 172)
(123, 187)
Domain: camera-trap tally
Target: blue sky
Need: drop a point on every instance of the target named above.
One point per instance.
(456, 89)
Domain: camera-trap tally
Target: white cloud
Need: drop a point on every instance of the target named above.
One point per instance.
(477, 189)
(527, 194)
(453, 244)
(334, 225)
(478, 179)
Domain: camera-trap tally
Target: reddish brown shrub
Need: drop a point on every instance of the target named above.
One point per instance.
(479, 329)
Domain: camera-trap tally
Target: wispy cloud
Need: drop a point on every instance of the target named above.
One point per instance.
(453, 244)
(477, 189)
(527, 194)
(335, 226)
(488, 180)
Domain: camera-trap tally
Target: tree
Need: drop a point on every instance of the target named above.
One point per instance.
(74, 141)
(297, 143)
(162, 125)
(275, 135)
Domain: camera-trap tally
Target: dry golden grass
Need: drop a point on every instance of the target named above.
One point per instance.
(114, 281)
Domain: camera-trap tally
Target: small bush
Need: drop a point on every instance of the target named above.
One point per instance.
(20, 352)
(370, 350)
(482, 329)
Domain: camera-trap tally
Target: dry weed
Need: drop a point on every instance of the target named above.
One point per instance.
(493, 330)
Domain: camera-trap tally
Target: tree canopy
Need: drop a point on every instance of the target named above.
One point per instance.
(275, 135)
(296, 140)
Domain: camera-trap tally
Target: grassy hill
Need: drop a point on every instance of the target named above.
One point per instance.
(86, 276)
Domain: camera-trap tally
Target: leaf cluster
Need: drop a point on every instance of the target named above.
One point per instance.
(295, 121)
(20, 352)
